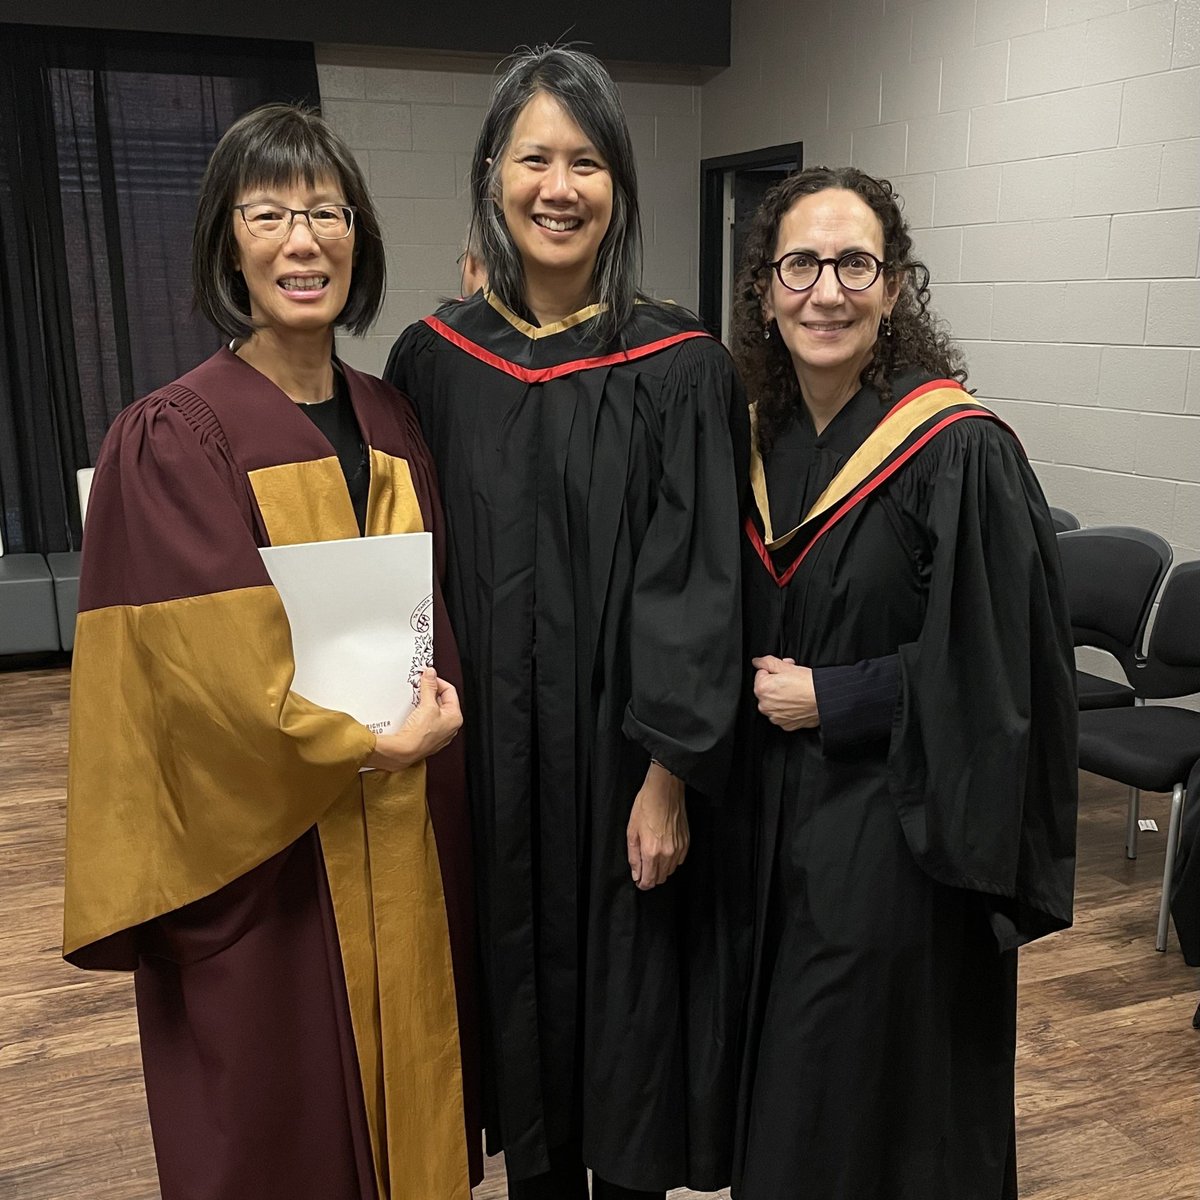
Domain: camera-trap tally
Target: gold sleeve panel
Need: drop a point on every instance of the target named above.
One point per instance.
(385, 880)
(190, 760)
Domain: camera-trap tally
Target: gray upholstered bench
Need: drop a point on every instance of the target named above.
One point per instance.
(39, 597)
(64, 570)
(28, 615)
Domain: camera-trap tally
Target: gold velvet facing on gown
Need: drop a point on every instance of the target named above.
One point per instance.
(382, 864)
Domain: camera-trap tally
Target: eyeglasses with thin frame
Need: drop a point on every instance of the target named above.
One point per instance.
(327, 221)
(856, 270)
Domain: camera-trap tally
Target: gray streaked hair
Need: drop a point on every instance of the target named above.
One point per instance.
(586, 91)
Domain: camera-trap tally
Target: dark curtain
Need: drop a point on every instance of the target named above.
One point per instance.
(103, 141)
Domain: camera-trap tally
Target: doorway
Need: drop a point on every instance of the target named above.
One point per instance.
(731, 189)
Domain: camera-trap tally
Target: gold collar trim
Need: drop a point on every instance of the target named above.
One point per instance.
(534, 332)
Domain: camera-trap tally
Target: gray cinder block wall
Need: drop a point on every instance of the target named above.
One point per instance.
(1049, 155)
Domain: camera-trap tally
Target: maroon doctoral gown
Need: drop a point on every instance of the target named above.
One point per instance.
(301, 934)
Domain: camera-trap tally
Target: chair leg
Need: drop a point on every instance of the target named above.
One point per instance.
(1131, 823)
(1172, 849)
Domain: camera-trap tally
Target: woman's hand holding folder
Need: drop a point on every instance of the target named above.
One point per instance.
(429, 728)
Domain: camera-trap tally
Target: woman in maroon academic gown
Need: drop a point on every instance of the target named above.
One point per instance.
(300, 932)
(916, 745)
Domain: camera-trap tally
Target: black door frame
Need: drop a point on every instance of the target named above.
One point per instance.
(712, 196)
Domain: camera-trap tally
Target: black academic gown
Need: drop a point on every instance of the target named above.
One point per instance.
(901, 864)
(1185, 885)
(592, 505)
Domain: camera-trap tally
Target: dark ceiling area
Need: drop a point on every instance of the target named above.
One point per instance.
(677, 33)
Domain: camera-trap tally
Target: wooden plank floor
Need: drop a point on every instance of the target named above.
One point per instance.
(1108, 1073)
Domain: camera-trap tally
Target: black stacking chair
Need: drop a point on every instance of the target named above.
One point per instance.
(1063, 520)
(1112, 574)
(1154, 747)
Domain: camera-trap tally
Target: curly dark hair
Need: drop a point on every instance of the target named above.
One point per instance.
(918, 340)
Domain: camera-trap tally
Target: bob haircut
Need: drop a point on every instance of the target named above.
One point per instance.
(586, 91)
(274, 146)
(916, 339)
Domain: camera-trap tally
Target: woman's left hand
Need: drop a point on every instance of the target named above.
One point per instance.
(430, 727)
(785, 694)
(657, 836)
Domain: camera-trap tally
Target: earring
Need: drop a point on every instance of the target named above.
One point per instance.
(886, 327)
(766, 333)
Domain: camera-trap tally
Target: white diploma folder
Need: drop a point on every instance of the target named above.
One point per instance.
(361, 614)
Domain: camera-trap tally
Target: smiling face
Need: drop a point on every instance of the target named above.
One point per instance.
(299, 283)
(829, 331)
(556, 195)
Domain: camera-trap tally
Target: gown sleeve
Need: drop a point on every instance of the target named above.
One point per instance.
(685, 640)
(190, 759)
(410, 365)
(982, 763)
(856, 703)
(1185, 883)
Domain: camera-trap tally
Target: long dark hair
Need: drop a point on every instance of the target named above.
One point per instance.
(917, 338)
(272, 146)
(586, 91)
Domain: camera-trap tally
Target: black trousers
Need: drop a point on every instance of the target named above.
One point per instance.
(567, 1180)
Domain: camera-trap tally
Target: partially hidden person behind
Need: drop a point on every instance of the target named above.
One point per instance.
(916, 744)
(294, 925)
(472, 268)
(591, 446)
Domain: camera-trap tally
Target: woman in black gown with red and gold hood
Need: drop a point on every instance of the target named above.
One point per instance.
(588, 443)
(915, 751)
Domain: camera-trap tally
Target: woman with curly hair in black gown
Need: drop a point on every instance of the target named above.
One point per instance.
(915, 751)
